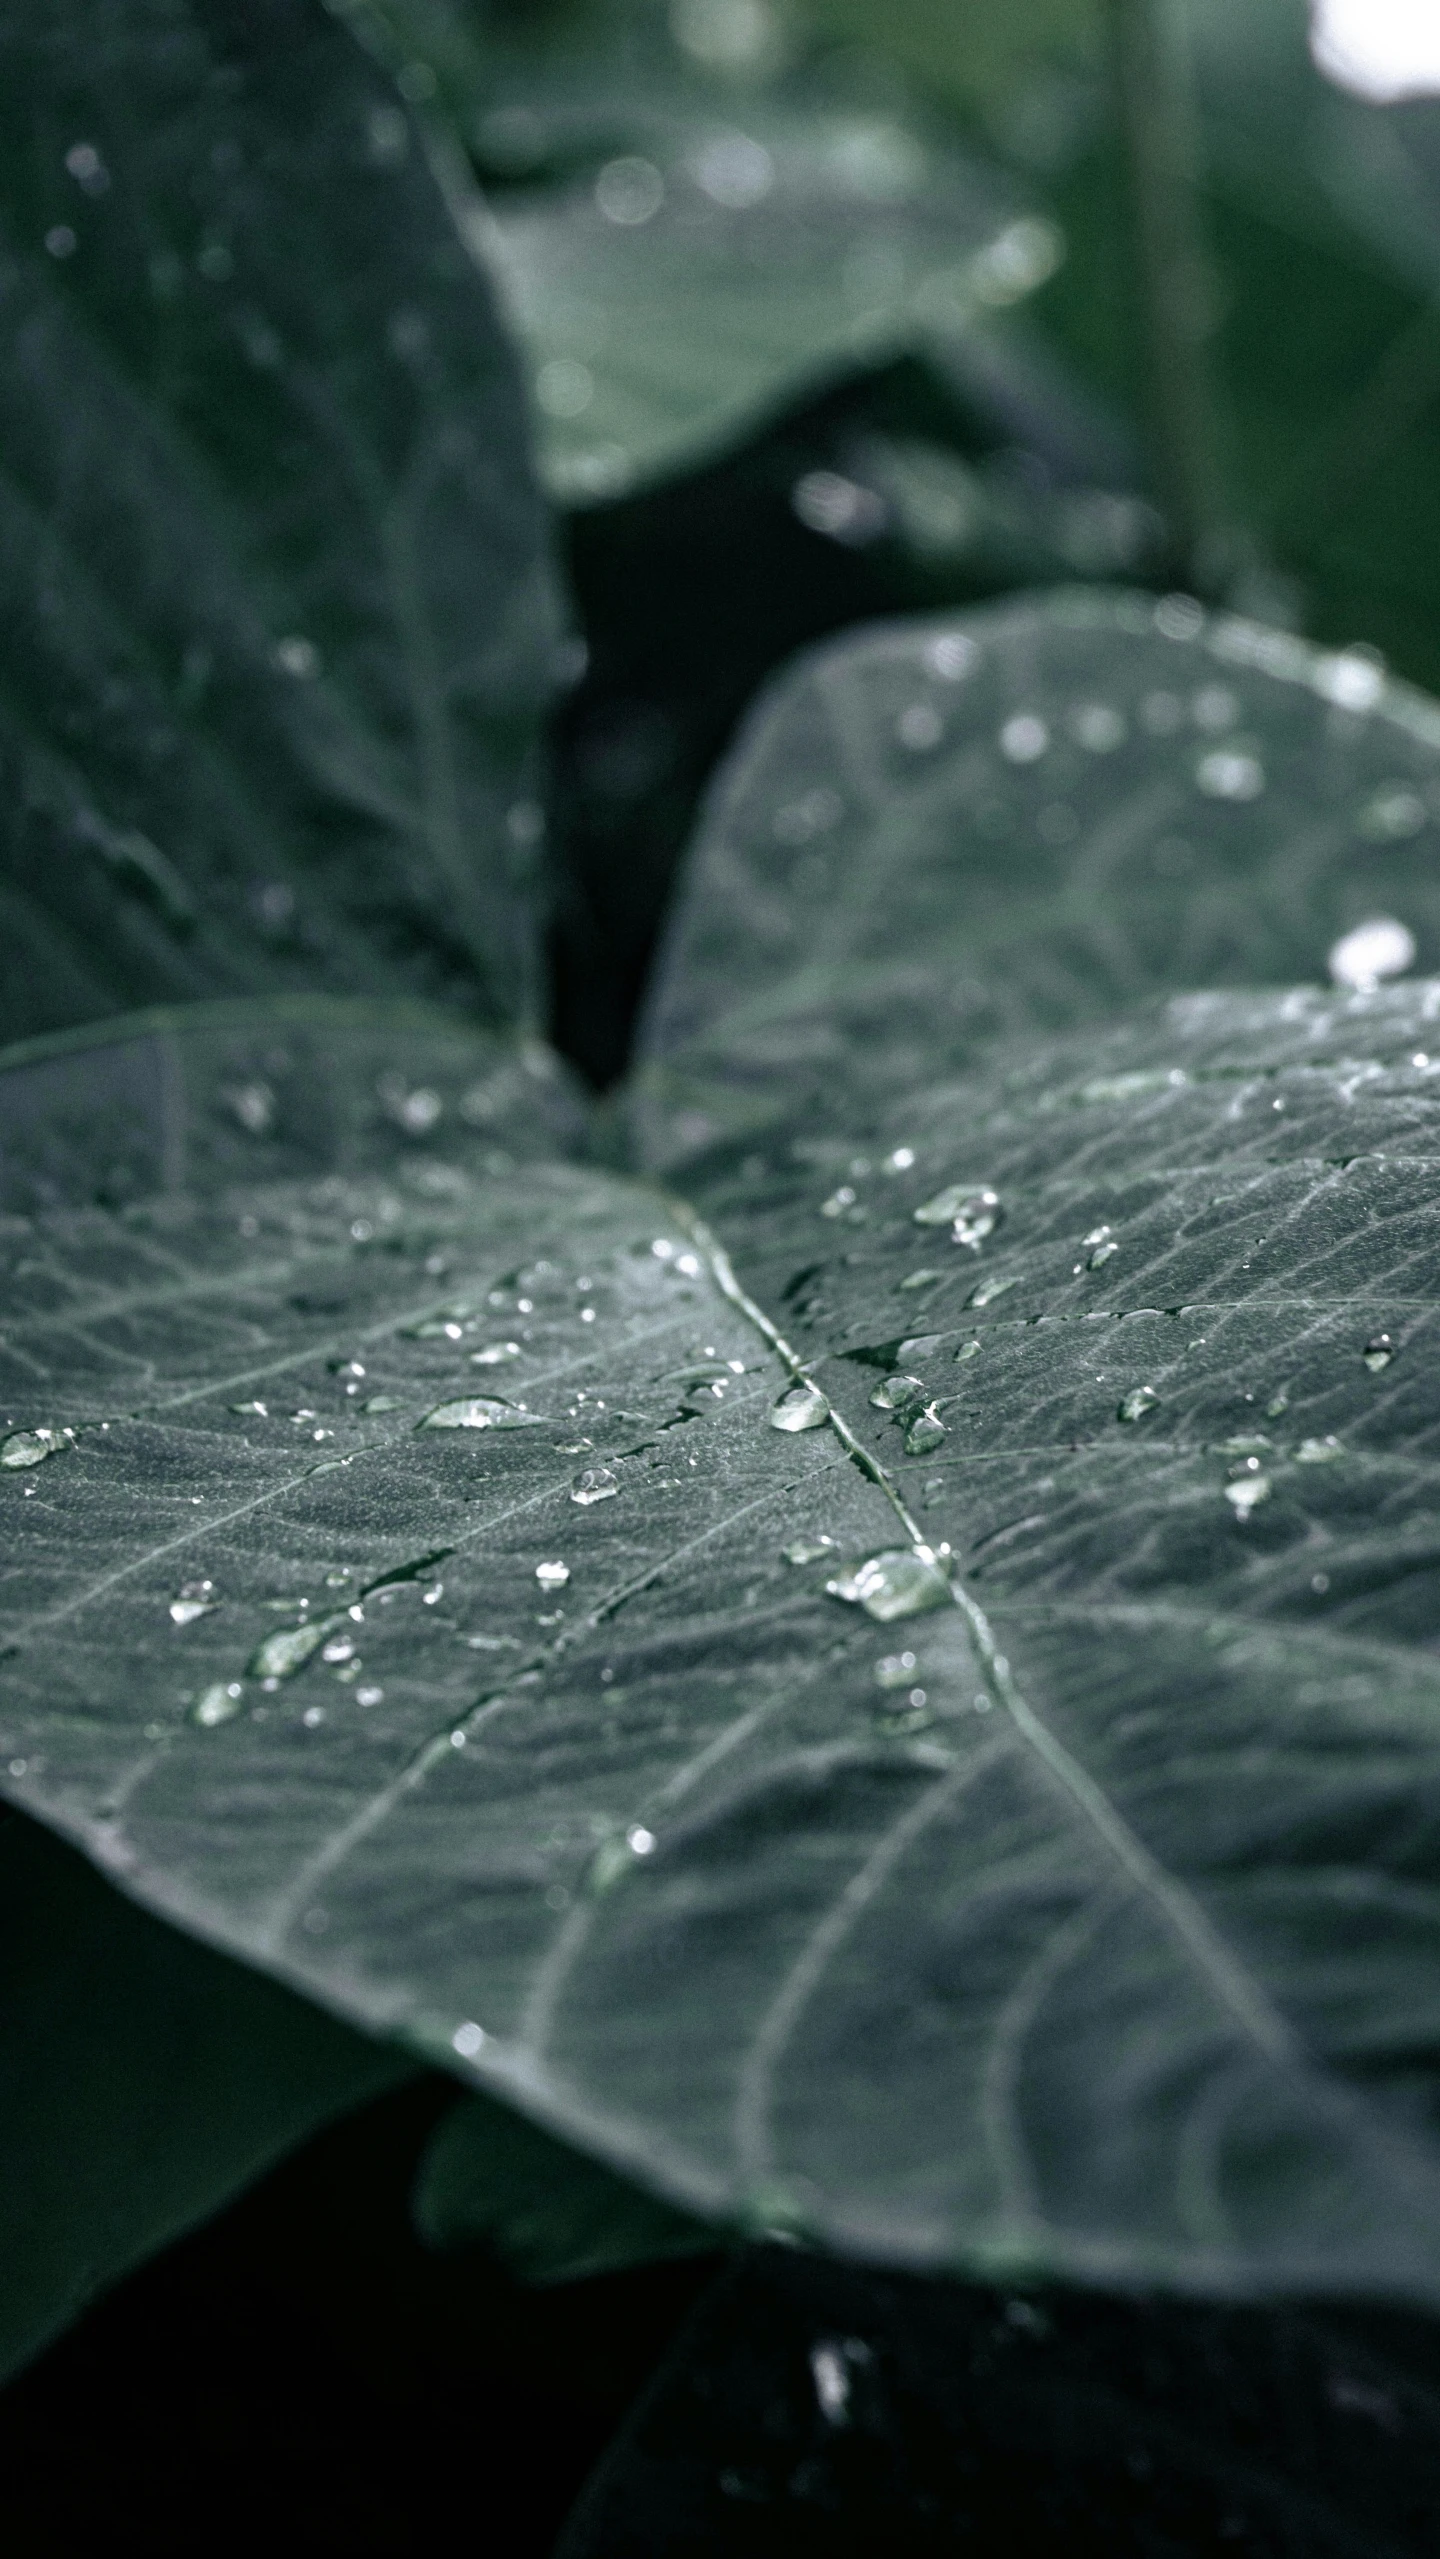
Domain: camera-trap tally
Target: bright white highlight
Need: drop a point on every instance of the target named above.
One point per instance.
(1382, 49)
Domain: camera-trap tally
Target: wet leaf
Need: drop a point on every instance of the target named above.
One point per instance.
(1046, 1964)
(932, 835)
(685, 251)
(279, 628)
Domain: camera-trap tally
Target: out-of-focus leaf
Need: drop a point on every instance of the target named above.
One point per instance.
(550, 2214)
(936, 834)
(684, 256)
(811, 2409)
(279, 628)
(145, 2080)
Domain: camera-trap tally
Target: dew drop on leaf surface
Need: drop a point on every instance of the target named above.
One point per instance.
(31, 1448)
(893, 1394)
(596, 1484)
(901, 1582)
(1373, 951)
(970, 1213)
(475, 1413)
(1140, 1401)
(800, 1408)
(218, 1704)
(925, 1432)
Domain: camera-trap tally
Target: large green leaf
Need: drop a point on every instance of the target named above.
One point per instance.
(987, 1821)
(686, 244)
(145, 2081)
(934, 834)
(279, 629)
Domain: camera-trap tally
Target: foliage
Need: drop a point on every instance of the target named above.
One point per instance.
(843, 1633)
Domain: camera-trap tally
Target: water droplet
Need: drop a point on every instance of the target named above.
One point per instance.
(253, 1105)
(838, 1202)
(494, 1353)
(195, 1599)
(381, 1404)
(60, 240)
(800, 1408)
(988, 1291)
(952, 657)
(87, 168)
(903, 1582)
(370, 1696)
(920, 727)
(287, 1651)
(1213, 707)
(1098, 727)
(1103, 1251)
(922, 1279)
(564, 387)
(552, 1576)
(218, 1704)
(1391, 815)
(1378, 949)
(629, 191)
(1318, 1452)
(31, 1448)
(639, 1840)
(1377, 1354)
(468, 2039)
(968, 1350)
(970, 1213)
(830, 2373)
(341, 1648)
(596, 1484)
(895, 1671)
(1229, 773)
(1140, 1401)
(1245, 1492)
(1320, 1583)
(841, 508)
(925, 1432)
(1352, 679)
(893, 1394)
(807, 1550)
(476, 1413)
(1278, 1404)
(1024, 739)
(297, 656)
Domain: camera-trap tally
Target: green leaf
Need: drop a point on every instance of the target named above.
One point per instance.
(279, 624)
(146, 2081)
(811, 2406)
(551, 2215)
(984, 1825)
(932, 835)
(684, 252)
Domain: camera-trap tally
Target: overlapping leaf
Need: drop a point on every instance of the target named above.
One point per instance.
(278, 631)
(147, 2080)
(687, 244)
(1055, 1892)
(934, 835)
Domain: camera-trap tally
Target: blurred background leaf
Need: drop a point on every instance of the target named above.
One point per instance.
(1011, 451)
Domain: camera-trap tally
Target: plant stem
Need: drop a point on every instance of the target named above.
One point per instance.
(1157, 129)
